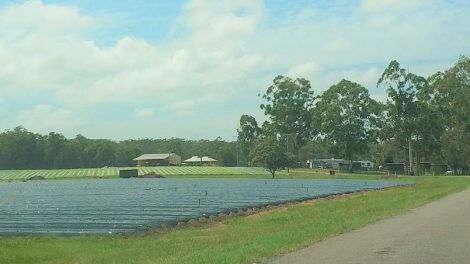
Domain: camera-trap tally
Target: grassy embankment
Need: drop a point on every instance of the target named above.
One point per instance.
(235, 240)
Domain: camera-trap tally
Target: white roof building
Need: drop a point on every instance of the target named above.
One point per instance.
(204, 159)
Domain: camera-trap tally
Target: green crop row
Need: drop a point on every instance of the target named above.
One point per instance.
(114, 172)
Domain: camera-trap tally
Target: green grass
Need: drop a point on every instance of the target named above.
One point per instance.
(239, 239)
(111, 172)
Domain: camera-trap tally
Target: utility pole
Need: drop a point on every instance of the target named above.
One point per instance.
(238, 160)
(287, 150)
(237, 154)
(287, 144)
(410, 154)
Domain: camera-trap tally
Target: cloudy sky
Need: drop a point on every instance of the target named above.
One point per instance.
(159, 69)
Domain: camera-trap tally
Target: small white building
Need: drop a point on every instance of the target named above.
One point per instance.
(333, 163)
(329, 163)
(196, 160)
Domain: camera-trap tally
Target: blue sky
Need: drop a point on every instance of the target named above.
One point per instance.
(159, 69)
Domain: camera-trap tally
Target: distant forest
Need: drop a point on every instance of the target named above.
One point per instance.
(22, 149)
(423, 119)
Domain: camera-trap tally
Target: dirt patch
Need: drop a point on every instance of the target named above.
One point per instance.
(344, 197)
(36, 178)
(151, 175)
(210, 225)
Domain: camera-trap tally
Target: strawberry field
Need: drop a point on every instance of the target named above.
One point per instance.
(114, 172)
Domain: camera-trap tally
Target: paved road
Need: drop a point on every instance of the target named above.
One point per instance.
(438, 232)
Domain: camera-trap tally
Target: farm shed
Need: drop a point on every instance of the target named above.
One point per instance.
(128, 173)
(395, 167)
(329, 163)
(196, 160)
(168, 159)
(424, 167)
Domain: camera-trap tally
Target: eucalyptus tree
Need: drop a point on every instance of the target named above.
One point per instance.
(402, 105)
(429, 126)
(54, 150)
(248, 134)
(451, 95)
(289, 105)
(21, 149)
(455, 148)
(451, 90)
(346, 118)
(268, 130)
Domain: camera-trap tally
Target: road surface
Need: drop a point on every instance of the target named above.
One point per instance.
(438, 232)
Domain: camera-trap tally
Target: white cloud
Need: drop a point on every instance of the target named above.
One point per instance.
(144, 112)
(388, 5)
(44, 119)
(34, 16)
(183, 106)
(304, 70)
(335, 45)
(215, 22)
(211, 55)
(367, 77)
(228, 51)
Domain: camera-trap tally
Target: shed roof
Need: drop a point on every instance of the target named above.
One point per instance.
(199, 159)
(193, 159)
(205, 158)
(154, 156)
(331, 160)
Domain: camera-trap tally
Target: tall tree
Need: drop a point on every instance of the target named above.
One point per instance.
(346, 117)
(268, 130)
(451, 96)
(105, 153)
(248, 134)
(54, 147)
(429, 127)
(228, 156)
(402, 107)
(21, 149)
(456, 151)
(452, 92)
(289, 105)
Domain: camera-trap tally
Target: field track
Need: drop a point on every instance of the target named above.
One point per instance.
(114, 172)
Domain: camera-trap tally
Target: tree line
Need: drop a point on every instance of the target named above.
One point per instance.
(22, 149)
(423, 119)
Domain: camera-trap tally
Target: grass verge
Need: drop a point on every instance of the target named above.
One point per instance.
(236, 240)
